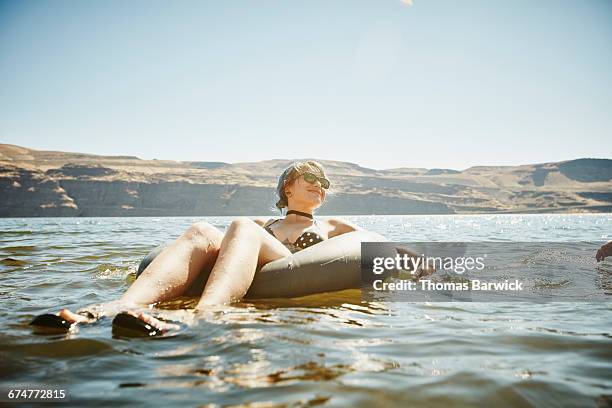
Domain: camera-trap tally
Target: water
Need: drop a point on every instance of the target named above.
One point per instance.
(325, 350)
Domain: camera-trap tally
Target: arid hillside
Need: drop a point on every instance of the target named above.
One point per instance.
(36, 183)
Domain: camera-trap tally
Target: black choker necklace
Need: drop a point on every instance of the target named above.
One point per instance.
(303, 214)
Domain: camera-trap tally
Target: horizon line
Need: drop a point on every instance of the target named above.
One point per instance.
(301, 159)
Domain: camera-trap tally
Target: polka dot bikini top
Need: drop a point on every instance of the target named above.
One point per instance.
(308, 238)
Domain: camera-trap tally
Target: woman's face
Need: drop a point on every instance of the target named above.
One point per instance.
(305, 195)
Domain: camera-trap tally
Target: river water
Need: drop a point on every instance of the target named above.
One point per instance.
(324, 350)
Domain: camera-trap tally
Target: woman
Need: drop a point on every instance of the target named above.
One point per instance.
(233, 258)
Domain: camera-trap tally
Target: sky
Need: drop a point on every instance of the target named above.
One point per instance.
(381, 83)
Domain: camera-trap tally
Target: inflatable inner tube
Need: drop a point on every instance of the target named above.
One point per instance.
(329, 266)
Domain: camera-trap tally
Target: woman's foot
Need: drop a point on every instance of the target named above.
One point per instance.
(154, 322)
(65, 320)
(133, 324)
(60, 322)
(75, 317)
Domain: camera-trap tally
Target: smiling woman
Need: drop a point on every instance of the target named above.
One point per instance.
(223, 265)
(301, 189)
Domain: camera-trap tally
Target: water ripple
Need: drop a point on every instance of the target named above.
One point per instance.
(331, 349)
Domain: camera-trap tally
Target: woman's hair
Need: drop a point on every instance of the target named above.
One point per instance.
(292, 172)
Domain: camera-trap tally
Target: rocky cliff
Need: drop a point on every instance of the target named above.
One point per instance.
(45, 183)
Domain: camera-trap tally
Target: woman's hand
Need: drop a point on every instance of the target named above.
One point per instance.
(341, 226)
(423, 270)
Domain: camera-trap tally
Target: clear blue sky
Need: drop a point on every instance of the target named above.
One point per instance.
(377, 82)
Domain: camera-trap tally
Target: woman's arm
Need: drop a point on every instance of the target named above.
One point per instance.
(424, 270)
(341, 226)
(261, 221)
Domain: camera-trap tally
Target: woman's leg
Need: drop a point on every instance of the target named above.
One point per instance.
(244, 247)
(177, 266)
(173, 270)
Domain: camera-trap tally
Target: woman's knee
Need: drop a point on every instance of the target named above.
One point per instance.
(203, 230)
(242, 225)
(242, 222)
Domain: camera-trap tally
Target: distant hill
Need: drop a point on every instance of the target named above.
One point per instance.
(47, 183)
